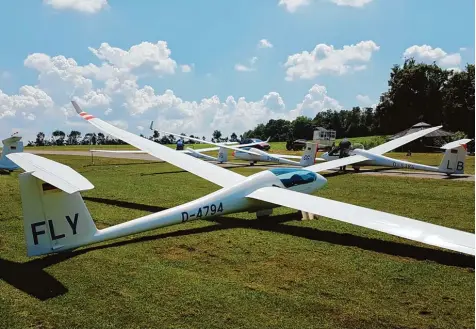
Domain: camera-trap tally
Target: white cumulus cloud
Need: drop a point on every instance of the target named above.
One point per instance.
(263, 43)
(186, 68)
(325, 59)
(352, 3)
(155, 55)
(85, 6)
(293, 5)
(365, 101)
(428, 54)
(315, 101)
(113, 88)
(243, 68)
(28, 98)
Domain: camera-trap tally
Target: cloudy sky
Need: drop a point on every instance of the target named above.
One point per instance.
(196, 66)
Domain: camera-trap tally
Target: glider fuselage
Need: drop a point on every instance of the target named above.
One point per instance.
(224, 201)
(262, 156)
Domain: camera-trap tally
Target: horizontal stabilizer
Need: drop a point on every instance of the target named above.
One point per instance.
(455, 144)
(11, 140)
(51, 172)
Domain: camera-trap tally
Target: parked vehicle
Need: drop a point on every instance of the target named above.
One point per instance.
(263, 145)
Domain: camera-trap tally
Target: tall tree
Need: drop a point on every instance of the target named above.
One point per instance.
(58, 137)
(40, 139)
(73, 137)
(216, 135)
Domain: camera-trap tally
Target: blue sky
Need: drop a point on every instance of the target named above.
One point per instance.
(212, 37)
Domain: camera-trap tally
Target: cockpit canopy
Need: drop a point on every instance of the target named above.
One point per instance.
(292, 176)
(336, 150)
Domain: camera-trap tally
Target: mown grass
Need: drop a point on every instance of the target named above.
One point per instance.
(236, 271)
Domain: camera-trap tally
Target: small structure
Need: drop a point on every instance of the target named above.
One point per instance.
(324, 137)
(429, 142)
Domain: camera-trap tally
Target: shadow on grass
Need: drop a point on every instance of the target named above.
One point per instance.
(31, 277)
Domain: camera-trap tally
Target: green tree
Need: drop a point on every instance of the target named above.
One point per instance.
(216, 135)
(302, 127)
(40, 139)
(73, 137)
(58, 137)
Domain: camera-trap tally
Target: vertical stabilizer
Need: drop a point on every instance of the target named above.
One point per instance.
(309, 156)
(10, 145)
(455, 157)
(55, 217)
(222, 155)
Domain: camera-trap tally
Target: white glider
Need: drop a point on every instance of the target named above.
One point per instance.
(248, 153)
(197, 153)
(11, 145)
(56, 218)
(453, 161)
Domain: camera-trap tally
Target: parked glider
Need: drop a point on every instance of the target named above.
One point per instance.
(220, 147)
(249, 153)
(452, 163)
(11, 145)
(57, 219)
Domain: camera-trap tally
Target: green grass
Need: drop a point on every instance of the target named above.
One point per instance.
(236, 271)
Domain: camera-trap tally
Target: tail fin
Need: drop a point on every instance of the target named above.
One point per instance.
(55, 217)
(10, 145)
(223, 155)
(308, 158)
(455, 157)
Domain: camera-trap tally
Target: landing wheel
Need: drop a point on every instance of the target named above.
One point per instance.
(252, 163)
(356, 169)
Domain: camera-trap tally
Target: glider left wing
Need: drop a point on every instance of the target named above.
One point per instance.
(376, 220)
(206, 170)
(393, 144)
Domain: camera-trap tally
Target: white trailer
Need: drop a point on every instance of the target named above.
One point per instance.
(324, 137)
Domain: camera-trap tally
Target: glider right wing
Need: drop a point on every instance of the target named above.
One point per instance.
(404, 227)
(206, 170)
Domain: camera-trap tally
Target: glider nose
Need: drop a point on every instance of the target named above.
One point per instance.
(321, 181)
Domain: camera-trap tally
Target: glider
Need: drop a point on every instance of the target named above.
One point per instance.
(248, 153)
(56, 218)
(220, 147)
(11, 145)
(452, 163)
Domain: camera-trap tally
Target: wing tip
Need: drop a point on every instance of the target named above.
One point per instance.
(76, 106)
(80, 111)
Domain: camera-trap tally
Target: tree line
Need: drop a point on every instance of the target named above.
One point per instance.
(417, 92)
(59, 138)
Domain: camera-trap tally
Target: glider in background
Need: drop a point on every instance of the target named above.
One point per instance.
(452, 163)
(248, 153)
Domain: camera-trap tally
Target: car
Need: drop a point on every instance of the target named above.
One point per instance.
(297, 145)
(263, 145)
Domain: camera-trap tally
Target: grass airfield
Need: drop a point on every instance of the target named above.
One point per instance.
(236, 271)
